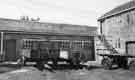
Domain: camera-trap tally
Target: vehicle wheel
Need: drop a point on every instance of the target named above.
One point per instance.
(71, 63)
(123, 63)
(55, 62)
(78, 62)
(40, 65)
(24, 63)
(132, 66)
(107, 63)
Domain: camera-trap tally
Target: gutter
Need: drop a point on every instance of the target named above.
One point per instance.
(2, 42)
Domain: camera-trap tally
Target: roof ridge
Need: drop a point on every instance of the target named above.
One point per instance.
(42, 22)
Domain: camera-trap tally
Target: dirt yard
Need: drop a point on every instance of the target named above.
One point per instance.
(31, 73)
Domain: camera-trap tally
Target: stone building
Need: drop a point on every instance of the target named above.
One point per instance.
(17, 35)
(118, 27)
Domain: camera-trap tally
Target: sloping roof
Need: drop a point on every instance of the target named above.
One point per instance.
(119, 9)
(42, 27)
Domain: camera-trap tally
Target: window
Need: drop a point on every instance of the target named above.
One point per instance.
(118, 43)
(128, 19)
(58, 44)
(77, 44)
(29, 44)
(65, 44)
(87, 44)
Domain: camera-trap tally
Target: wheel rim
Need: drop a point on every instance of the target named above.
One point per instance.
(132, 66)
(107, 64)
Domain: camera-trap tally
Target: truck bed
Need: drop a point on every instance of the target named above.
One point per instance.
(118, 55)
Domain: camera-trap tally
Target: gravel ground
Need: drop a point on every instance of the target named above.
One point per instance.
(31, 73)
(7, 68)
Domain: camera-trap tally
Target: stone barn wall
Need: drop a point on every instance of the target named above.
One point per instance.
(120, 28)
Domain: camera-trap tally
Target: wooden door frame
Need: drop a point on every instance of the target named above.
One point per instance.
(126, 47)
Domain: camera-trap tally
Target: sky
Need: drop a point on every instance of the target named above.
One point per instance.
(80, 12)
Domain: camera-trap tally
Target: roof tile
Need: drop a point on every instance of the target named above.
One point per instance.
(44, 27)
(119, 9)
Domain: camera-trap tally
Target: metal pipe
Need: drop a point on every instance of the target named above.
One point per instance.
(1, 43)
(1, 49)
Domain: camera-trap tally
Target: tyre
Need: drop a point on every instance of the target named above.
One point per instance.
(122, 63)
(132, 65)
(75, 64)
(55, 62)
(40, 65)
(107, 63)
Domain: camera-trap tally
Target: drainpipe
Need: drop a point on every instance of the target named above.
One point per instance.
(101, 27)
(1, 49)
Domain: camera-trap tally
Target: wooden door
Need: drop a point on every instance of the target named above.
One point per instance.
(130, 48)
(10, 50)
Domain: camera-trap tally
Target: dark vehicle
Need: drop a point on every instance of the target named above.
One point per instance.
(125, 60)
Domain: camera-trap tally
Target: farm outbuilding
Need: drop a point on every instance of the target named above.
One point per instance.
(18, 37)
(117, 28)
